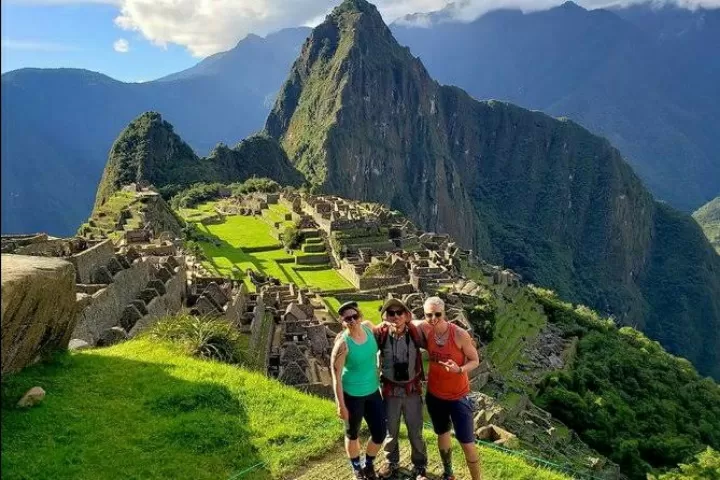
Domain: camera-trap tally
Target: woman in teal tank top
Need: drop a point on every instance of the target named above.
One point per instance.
(357, 388)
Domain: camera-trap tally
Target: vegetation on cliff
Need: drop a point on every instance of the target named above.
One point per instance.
(708, 216)
(626, 396)
(149, 150)
(361, 117)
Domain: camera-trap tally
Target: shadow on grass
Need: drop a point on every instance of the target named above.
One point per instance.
(111, 417)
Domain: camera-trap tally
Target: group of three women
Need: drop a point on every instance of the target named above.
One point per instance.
(383, 399)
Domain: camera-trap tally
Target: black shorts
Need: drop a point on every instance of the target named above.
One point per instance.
(369, 407)
(458, 412)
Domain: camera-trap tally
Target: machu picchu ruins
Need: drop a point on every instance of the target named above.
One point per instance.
(131, 271)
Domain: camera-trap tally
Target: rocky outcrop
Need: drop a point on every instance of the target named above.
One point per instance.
(38, 308)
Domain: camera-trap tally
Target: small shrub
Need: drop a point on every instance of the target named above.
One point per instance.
(202, 337)
(292, 236)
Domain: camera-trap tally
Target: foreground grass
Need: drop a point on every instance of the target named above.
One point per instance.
(142, 410)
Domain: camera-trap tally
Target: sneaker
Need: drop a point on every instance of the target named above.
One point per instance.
(369, 472)
(447, 476)
(418, 473)
(358, 475)
(388, 470)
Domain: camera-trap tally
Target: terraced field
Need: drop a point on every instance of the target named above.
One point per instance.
(518, 323)
(249, 242)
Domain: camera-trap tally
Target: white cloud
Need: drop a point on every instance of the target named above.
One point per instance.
(121, 45)
(58, 2)
(36, 46)
(205, 27)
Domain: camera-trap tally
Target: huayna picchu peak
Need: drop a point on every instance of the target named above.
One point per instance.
(361, 117)
(149, 151)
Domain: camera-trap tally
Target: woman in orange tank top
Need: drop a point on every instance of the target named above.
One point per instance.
(452, 356)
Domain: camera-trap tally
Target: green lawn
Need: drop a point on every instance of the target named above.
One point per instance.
(241, 231)
(141, 410)
(369, 308)
(327, 279)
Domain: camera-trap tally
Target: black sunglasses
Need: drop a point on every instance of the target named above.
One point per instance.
(394, 313)
(436, 314)
(351, 318)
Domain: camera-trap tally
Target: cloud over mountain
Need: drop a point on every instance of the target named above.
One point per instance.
(205, 27)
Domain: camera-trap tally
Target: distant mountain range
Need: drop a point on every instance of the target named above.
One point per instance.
(646, 78)
(58, 125)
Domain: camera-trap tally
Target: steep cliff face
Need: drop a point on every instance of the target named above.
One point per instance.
(361, 117)
(148, 149)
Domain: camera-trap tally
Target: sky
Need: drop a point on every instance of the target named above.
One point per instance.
(141, 40)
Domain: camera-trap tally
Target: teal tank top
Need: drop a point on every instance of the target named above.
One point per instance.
(360, 375)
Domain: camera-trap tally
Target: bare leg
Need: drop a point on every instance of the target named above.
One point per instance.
(352, 448)
(472, 457)
(372, 448)
(445, 447)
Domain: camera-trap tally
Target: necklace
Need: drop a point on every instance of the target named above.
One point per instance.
(441, 338)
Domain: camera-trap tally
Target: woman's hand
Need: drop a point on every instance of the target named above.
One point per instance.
(342, 412)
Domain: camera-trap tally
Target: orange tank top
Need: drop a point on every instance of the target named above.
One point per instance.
(441, 383)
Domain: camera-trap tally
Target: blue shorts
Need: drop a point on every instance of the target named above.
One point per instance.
(459, 413)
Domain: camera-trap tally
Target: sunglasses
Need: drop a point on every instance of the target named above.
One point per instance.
(351, 318)
(394, 313)
(435, 314)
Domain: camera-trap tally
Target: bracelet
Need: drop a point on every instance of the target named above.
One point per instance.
(461, 369)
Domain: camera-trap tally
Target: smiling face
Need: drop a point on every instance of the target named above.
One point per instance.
(350, 318)
(434, 313)
(397, 316)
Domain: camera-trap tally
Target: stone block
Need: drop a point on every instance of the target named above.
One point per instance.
(130, 317)
(102, 275)
(148, 294)
(111, 336)
(157, 285)
(78, 344)
(123, 261)
(38, 308)
(164, 274)
(114, 266)
(140, 306)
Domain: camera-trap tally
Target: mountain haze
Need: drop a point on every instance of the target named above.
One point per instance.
(647, 77)
(59, 124)
(361, 117)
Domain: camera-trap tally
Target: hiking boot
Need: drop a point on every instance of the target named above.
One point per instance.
(369, 472)
(358, 475)
(418, 473)
(388, 470)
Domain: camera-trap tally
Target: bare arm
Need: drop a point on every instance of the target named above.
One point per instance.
(337, 362)
(471, 353)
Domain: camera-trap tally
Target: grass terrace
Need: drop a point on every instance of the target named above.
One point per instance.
(144, 410)
(249, 242)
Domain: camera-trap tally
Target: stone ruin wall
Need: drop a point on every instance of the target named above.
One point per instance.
(87, 261)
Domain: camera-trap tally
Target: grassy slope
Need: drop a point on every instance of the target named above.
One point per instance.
(143, 410)
(369, 308)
